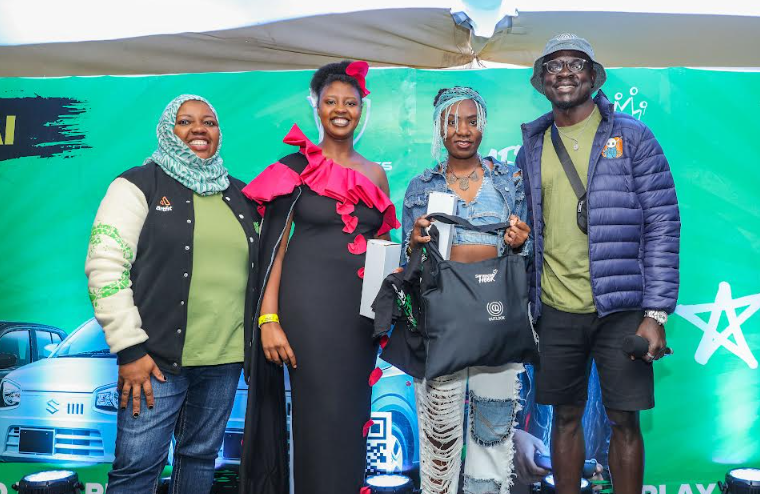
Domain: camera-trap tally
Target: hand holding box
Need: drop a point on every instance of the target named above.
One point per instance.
(381, 259)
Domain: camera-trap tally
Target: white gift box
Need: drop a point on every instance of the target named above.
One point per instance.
(441, 202)
(381, 259)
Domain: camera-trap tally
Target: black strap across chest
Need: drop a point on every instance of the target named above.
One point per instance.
(567, 164)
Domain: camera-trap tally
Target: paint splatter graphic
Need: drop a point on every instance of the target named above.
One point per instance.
(38, 126)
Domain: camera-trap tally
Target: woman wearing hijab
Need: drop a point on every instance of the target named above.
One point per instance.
(171, 270)
(311, 289)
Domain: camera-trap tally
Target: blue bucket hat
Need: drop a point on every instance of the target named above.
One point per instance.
(567, 41)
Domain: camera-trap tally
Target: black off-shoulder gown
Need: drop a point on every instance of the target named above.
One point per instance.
(320, 293)
(335, 211)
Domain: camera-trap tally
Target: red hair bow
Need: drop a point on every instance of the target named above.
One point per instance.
(358, 70)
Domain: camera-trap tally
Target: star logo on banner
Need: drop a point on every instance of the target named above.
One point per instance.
(713, 339)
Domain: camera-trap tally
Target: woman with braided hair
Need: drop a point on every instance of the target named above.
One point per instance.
(487, 192)
(308, 313)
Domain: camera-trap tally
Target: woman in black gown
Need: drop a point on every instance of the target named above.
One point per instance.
(309, 311)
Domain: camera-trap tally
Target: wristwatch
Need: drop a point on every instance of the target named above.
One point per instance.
(660, 316)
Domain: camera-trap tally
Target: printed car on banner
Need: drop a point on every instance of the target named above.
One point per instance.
(23, 343)
(62, 409)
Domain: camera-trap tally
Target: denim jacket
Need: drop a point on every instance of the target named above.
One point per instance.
(507, 179)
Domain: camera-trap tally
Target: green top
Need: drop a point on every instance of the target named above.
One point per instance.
(216, 305)
(565, 281)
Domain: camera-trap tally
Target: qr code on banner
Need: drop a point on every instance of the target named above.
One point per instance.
(380, 444)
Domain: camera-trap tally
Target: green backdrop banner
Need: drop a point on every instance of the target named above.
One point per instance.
(64, 140)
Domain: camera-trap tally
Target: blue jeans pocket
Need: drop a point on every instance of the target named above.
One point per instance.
(491, 419)
(481, 486)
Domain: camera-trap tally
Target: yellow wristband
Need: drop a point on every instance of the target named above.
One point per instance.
(265, 318)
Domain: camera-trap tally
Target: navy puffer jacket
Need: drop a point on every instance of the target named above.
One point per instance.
(634, 224)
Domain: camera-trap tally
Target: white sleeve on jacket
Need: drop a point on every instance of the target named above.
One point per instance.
(110, 254)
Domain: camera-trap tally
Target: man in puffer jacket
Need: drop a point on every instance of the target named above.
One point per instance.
(591, 290)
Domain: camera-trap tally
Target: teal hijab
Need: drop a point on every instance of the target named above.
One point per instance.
(203, 176)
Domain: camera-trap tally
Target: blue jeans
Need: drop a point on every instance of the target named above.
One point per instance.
(494, 399)
(194, 406)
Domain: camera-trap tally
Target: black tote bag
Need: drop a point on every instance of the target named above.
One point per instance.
(397, 305)
(474, 314)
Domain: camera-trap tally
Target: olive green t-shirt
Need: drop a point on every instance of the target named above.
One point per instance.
(216, 305)
(565, 281)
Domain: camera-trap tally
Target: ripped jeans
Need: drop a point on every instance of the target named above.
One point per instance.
(494, 400)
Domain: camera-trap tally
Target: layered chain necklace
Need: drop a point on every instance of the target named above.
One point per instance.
(464, 182)
(576, 146)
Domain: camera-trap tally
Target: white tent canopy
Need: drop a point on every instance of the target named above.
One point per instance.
(243, 35)
(634, 39)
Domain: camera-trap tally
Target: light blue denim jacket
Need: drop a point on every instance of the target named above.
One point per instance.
(507, 179)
